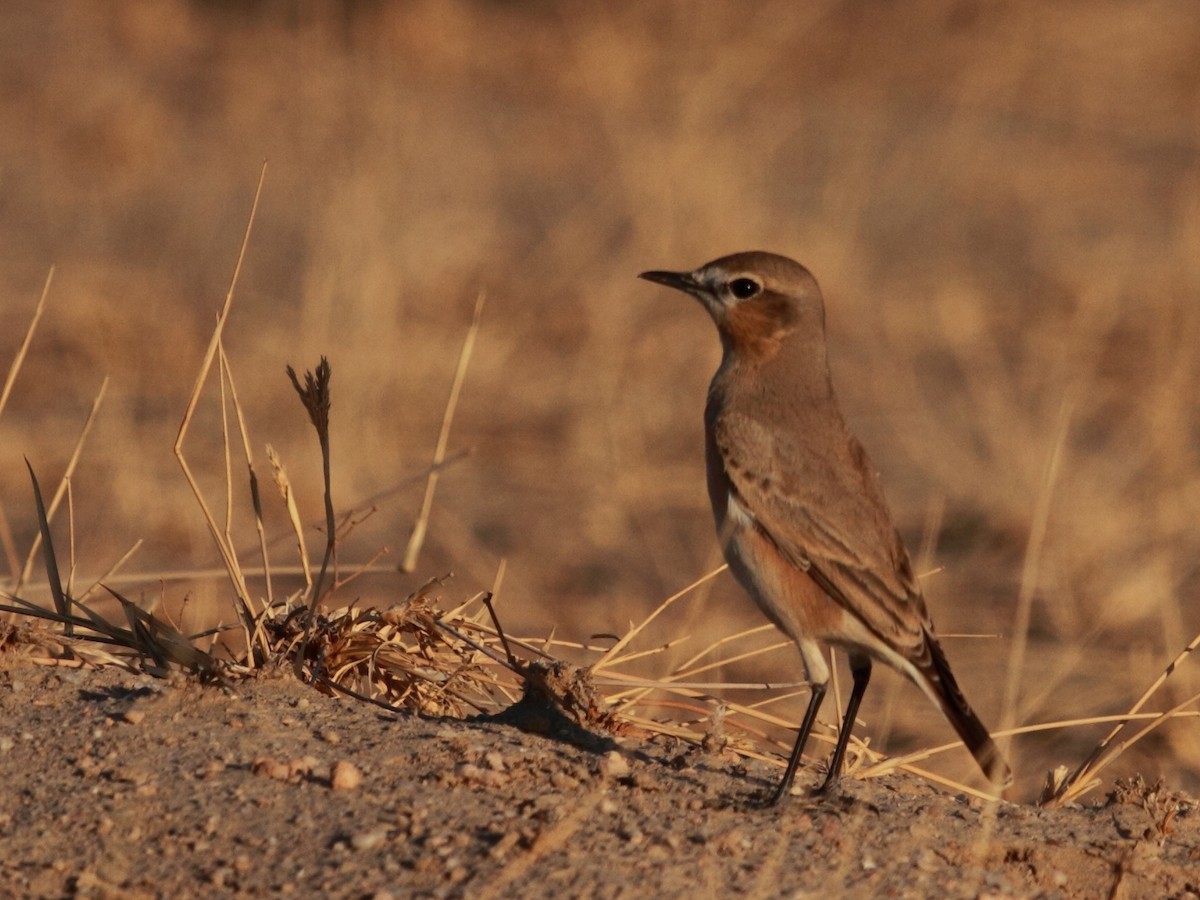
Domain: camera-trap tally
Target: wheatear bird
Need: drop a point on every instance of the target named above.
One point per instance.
(800, 514)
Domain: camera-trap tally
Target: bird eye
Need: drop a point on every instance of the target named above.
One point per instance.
(744, 288)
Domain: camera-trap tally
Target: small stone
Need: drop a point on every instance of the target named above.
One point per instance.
(369, 840)
(133, 716)
(613, 765)
(346, 776)
(292, 770)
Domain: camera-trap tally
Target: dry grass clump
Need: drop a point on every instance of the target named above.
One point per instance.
(407, 657)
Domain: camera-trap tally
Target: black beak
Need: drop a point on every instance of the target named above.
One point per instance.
(681, 281)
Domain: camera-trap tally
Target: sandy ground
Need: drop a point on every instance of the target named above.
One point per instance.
(121, 785)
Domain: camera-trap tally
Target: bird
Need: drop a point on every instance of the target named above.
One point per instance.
(800, 513)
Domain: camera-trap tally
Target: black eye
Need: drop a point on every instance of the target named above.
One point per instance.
(744, 288)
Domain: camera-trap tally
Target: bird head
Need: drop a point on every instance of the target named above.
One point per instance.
(756, 299)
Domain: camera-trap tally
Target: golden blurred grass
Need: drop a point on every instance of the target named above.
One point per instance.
(1000, 203)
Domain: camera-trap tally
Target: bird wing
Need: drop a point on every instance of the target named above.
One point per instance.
(815, 496)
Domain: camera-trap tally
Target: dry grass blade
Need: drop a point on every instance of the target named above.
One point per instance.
(360, 507)
(255, 496)
(417, 539)
(1030, 571)
(1066, 790)
(9, 546)
(228, 555)
(19, 359)
(677, 677)
(61, 490)
(159, 639)
(685, 666)
(61, 605)
(654, 684)
(147, 637)
(609, 656)
(279, 473)
(112, 571)
(10, 550)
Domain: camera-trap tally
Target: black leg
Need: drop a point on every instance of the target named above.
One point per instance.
(860, 668)
(810, 716)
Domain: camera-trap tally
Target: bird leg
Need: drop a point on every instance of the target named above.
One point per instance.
(810, 716)
(860, 669)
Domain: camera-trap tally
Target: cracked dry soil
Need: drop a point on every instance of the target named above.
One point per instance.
(120, 785)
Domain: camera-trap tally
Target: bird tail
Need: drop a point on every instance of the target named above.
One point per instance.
(960, 715)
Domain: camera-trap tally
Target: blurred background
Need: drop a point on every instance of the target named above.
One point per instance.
(1001, 202)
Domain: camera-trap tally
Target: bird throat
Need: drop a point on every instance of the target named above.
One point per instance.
(757, 329)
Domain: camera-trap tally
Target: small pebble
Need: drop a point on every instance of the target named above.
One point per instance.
(346, 776)
(369, 840)
(613, 765)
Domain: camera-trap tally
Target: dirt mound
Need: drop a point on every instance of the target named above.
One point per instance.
(122, 785)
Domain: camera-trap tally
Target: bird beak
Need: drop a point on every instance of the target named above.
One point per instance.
(681, 281)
